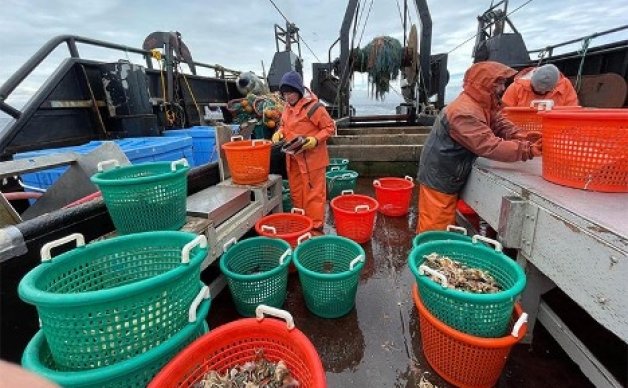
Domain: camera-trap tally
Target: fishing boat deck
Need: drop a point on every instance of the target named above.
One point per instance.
(378, 343)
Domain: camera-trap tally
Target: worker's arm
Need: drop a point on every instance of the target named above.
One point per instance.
(324, 123)
(504, 128)
(474, 135)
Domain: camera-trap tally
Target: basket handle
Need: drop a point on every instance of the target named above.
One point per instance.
(284, 255)
(268, 228)
(377, 183)
(345, 192)
(345, 161)
(202, 295)
(262, 310)
(229, 243)
(258, 141)
(542, 104)
(303, 237)
(490, 241)
(408, 178)
(187, 248)
(236, 137)
(45, 250)
(352, 264)
(335, 168)
(523, 318)
(423, 269)
(362, 207)
(101, 166)
(297, 210)
(182, 161)
(346, 176)
(458, 229)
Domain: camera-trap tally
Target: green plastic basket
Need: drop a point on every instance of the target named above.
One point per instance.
(339, 181)
(135, 372)
(144, 197)
(105, 302)
(329, 270)
(453, 232)
(340, 163)
(286, 198)
(257, 272)
(482, 315)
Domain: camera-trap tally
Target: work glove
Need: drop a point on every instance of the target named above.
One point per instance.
(277, 136)
(530, 136)
(310, 142)
(536, 149)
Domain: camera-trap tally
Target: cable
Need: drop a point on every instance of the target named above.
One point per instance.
(474, 36)
(288, 21)
(368, 14)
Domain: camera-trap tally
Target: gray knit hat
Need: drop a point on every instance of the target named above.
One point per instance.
(545, 78)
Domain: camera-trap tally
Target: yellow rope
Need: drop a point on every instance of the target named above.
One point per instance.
(198, 110)
(168, 115)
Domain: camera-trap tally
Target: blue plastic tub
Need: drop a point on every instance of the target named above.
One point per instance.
(137, 149)
(203, 143)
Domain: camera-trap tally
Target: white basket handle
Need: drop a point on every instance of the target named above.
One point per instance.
(236, 137)
(335, 168)
(408, 178)
(523, 318)
(45, 250)
(423, 269)
(542, 104)
(352, 264)
(182, 161)
(346, 192)
(202, 295)
(490, 241)
(297, 210)
(345, 161)
(284, 255)
(262, 310)
(377, 183)
(346, 176)
(187, 248)
(229, 243)
(101, 166)
(458, 229)
(268, 228)
(362, 207)
(258, 141)
(303, 237)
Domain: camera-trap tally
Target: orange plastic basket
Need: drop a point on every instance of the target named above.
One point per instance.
(354, 216)
(393, 195)
(248, 160)
(462, 359)
(236, 343)
(587, 149)
(286, 226)
(528, 118)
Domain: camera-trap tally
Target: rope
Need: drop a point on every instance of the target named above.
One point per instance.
(169, 116)
(583, 53)
(198, 110)
(300, 37)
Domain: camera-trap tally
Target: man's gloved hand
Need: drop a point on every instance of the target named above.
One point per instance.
(310, 142)
(536, 149)
(531, 136)
(277, 136)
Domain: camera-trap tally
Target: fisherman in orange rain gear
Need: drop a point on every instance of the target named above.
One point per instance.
(305, 116)
(470, 126)
(541, 83)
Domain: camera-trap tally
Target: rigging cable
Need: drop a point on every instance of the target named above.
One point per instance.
(288, 21)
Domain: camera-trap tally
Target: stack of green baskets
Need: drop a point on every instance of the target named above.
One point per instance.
(257, 272)
(482, 315)
(339, 181)
(285, 195)
(113, 300)
(329, 270)
(144, 197)
(340, 163)
(453, 232)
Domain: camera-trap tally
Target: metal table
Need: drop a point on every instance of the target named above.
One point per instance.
(569, 238)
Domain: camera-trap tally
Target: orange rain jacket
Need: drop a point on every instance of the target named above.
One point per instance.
(520, 92)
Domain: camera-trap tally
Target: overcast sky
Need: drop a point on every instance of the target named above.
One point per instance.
(239, 34)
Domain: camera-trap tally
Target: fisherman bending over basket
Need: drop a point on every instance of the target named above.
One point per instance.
(541, 83)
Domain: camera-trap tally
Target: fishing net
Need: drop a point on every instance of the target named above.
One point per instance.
(262, 110)
(381, 59)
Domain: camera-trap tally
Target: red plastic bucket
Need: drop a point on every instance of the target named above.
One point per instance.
(354, 215)
(393, 195)
(286, 226)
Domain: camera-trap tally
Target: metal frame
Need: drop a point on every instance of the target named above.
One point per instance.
(567, 238)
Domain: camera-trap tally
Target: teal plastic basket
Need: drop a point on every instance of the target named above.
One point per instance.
(453, 232)
(285, 196)
(144, 197)
(109, 301)
(329, 270)
(339, 163)
(135, 372)
(257, 272)
(482, 315)
(339, 181)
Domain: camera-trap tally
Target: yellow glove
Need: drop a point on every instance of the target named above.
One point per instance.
(310, 142)
(277, 136)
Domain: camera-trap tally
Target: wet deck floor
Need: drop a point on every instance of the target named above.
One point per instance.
(378, 343)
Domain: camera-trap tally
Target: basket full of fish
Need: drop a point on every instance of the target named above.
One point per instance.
(249, 352)
(471, 287)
